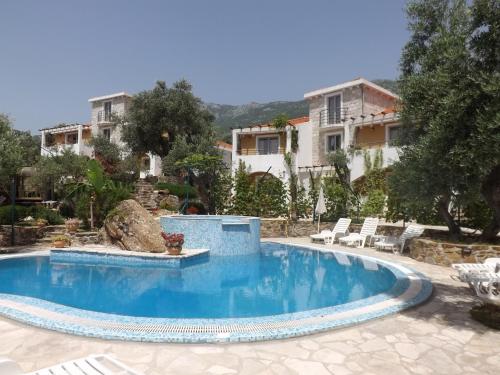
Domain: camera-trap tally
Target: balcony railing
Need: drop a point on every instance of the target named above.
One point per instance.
(103, 116)
(330, 118)
(253, 151)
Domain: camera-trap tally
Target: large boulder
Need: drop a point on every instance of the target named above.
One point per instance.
(133, 228)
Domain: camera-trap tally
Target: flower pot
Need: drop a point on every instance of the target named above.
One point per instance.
(174, 250)
(59, 244)
(72, 227)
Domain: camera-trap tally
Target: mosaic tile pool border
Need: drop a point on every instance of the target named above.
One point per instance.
(411, 289)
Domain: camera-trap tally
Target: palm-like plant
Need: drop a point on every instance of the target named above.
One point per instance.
(94, 186)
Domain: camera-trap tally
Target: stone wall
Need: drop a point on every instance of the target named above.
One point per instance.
(445, 253)
(23, 235)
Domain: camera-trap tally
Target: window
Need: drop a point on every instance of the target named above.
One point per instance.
(107, 111)
(72, 138)
(334, 109)
(267, 145)
(394, 134)
(106, 133)
(333, 142)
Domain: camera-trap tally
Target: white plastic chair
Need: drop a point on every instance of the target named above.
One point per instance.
(397, 244)
(96, 364)
(328, 236)
(368, 229)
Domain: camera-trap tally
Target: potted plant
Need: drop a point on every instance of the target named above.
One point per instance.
(61, 241)
(72, 225)
(40, 223)
(173, 242)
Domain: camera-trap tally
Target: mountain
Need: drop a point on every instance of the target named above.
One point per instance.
(227, 116)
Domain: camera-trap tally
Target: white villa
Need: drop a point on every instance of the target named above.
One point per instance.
(356, 116)
(76, 136)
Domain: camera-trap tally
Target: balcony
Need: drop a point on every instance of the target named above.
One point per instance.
(104, 117)
(58, 149)
(333, 118)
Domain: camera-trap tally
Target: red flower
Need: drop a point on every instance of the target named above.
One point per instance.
(173, 239)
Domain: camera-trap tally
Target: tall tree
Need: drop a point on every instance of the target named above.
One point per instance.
(443, 101)
(157, 117)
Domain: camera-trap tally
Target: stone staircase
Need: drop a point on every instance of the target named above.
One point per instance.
(78, 238)
(145, 195)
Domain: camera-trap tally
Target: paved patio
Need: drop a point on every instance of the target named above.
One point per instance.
(435, 338)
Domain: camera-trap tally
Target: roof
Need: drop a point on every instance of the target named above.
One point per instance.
(341, 86)
(110, 96)
(293, 122)
(387, 110)
(223, 145)
(66, 127)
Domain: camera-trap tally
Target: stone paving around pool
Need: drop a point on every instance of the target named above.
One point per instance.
(435, 338)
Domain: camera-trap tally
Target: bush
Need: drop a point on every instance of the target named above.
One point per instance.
(374, 204)
(177, 189)
(37, 212)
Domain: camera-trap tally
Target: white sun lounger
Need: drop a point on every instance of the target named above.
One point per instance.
(466, 270)
(487, 286)
(328, 236)
(397, 244)
(368, 229)
(96, 364)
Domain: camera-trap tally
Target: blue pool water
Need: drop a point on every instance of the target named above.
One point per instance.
(279, 279)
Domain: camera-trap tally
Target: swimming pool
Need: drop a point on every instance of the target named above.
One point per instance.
(281, 291)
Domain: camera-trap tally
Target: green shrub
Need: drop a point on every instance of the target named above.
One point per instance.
(37, 212)
(374, 204)
(177, 189)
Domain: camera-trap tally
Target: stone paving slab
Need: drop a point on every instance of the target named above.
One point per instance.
(435, 338)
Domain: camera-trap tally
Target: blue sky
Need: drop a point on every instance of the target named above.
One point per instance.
(56, 54)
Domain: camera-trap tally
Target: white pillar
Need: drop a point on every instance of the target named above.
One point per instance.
(288, 144)
(80, 142)
(234, 150)
(42, 149)
(347, 136)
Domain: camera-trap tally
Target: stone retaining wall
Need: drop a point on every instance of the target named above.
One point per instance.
(23, 235)
(444, 253)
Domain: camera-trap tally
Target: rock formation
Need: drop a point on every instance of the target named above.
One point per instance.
(132, 227)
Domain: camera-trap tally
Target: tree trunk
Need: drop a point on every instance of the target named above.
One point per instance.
(490, 189)
(91, 214)
(453, 227)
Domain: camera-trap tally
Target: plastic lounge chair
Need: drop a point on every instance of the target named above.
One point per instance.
(397, 244)
(467, 270)
(368, 229)
(487, 286)
(96, 364)
(328, 236)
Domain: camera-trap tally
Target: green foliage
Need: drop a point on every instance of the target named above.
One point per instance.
(280, 121)
(449, 88)
(243, 198)
(295, 140)
(107, 152)
(36, 212)
(157, 117)
(56, 171)
(337, 199)
(374, 203)
(96, 195)
(179, 190)
(270, 197)
(17, 149)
